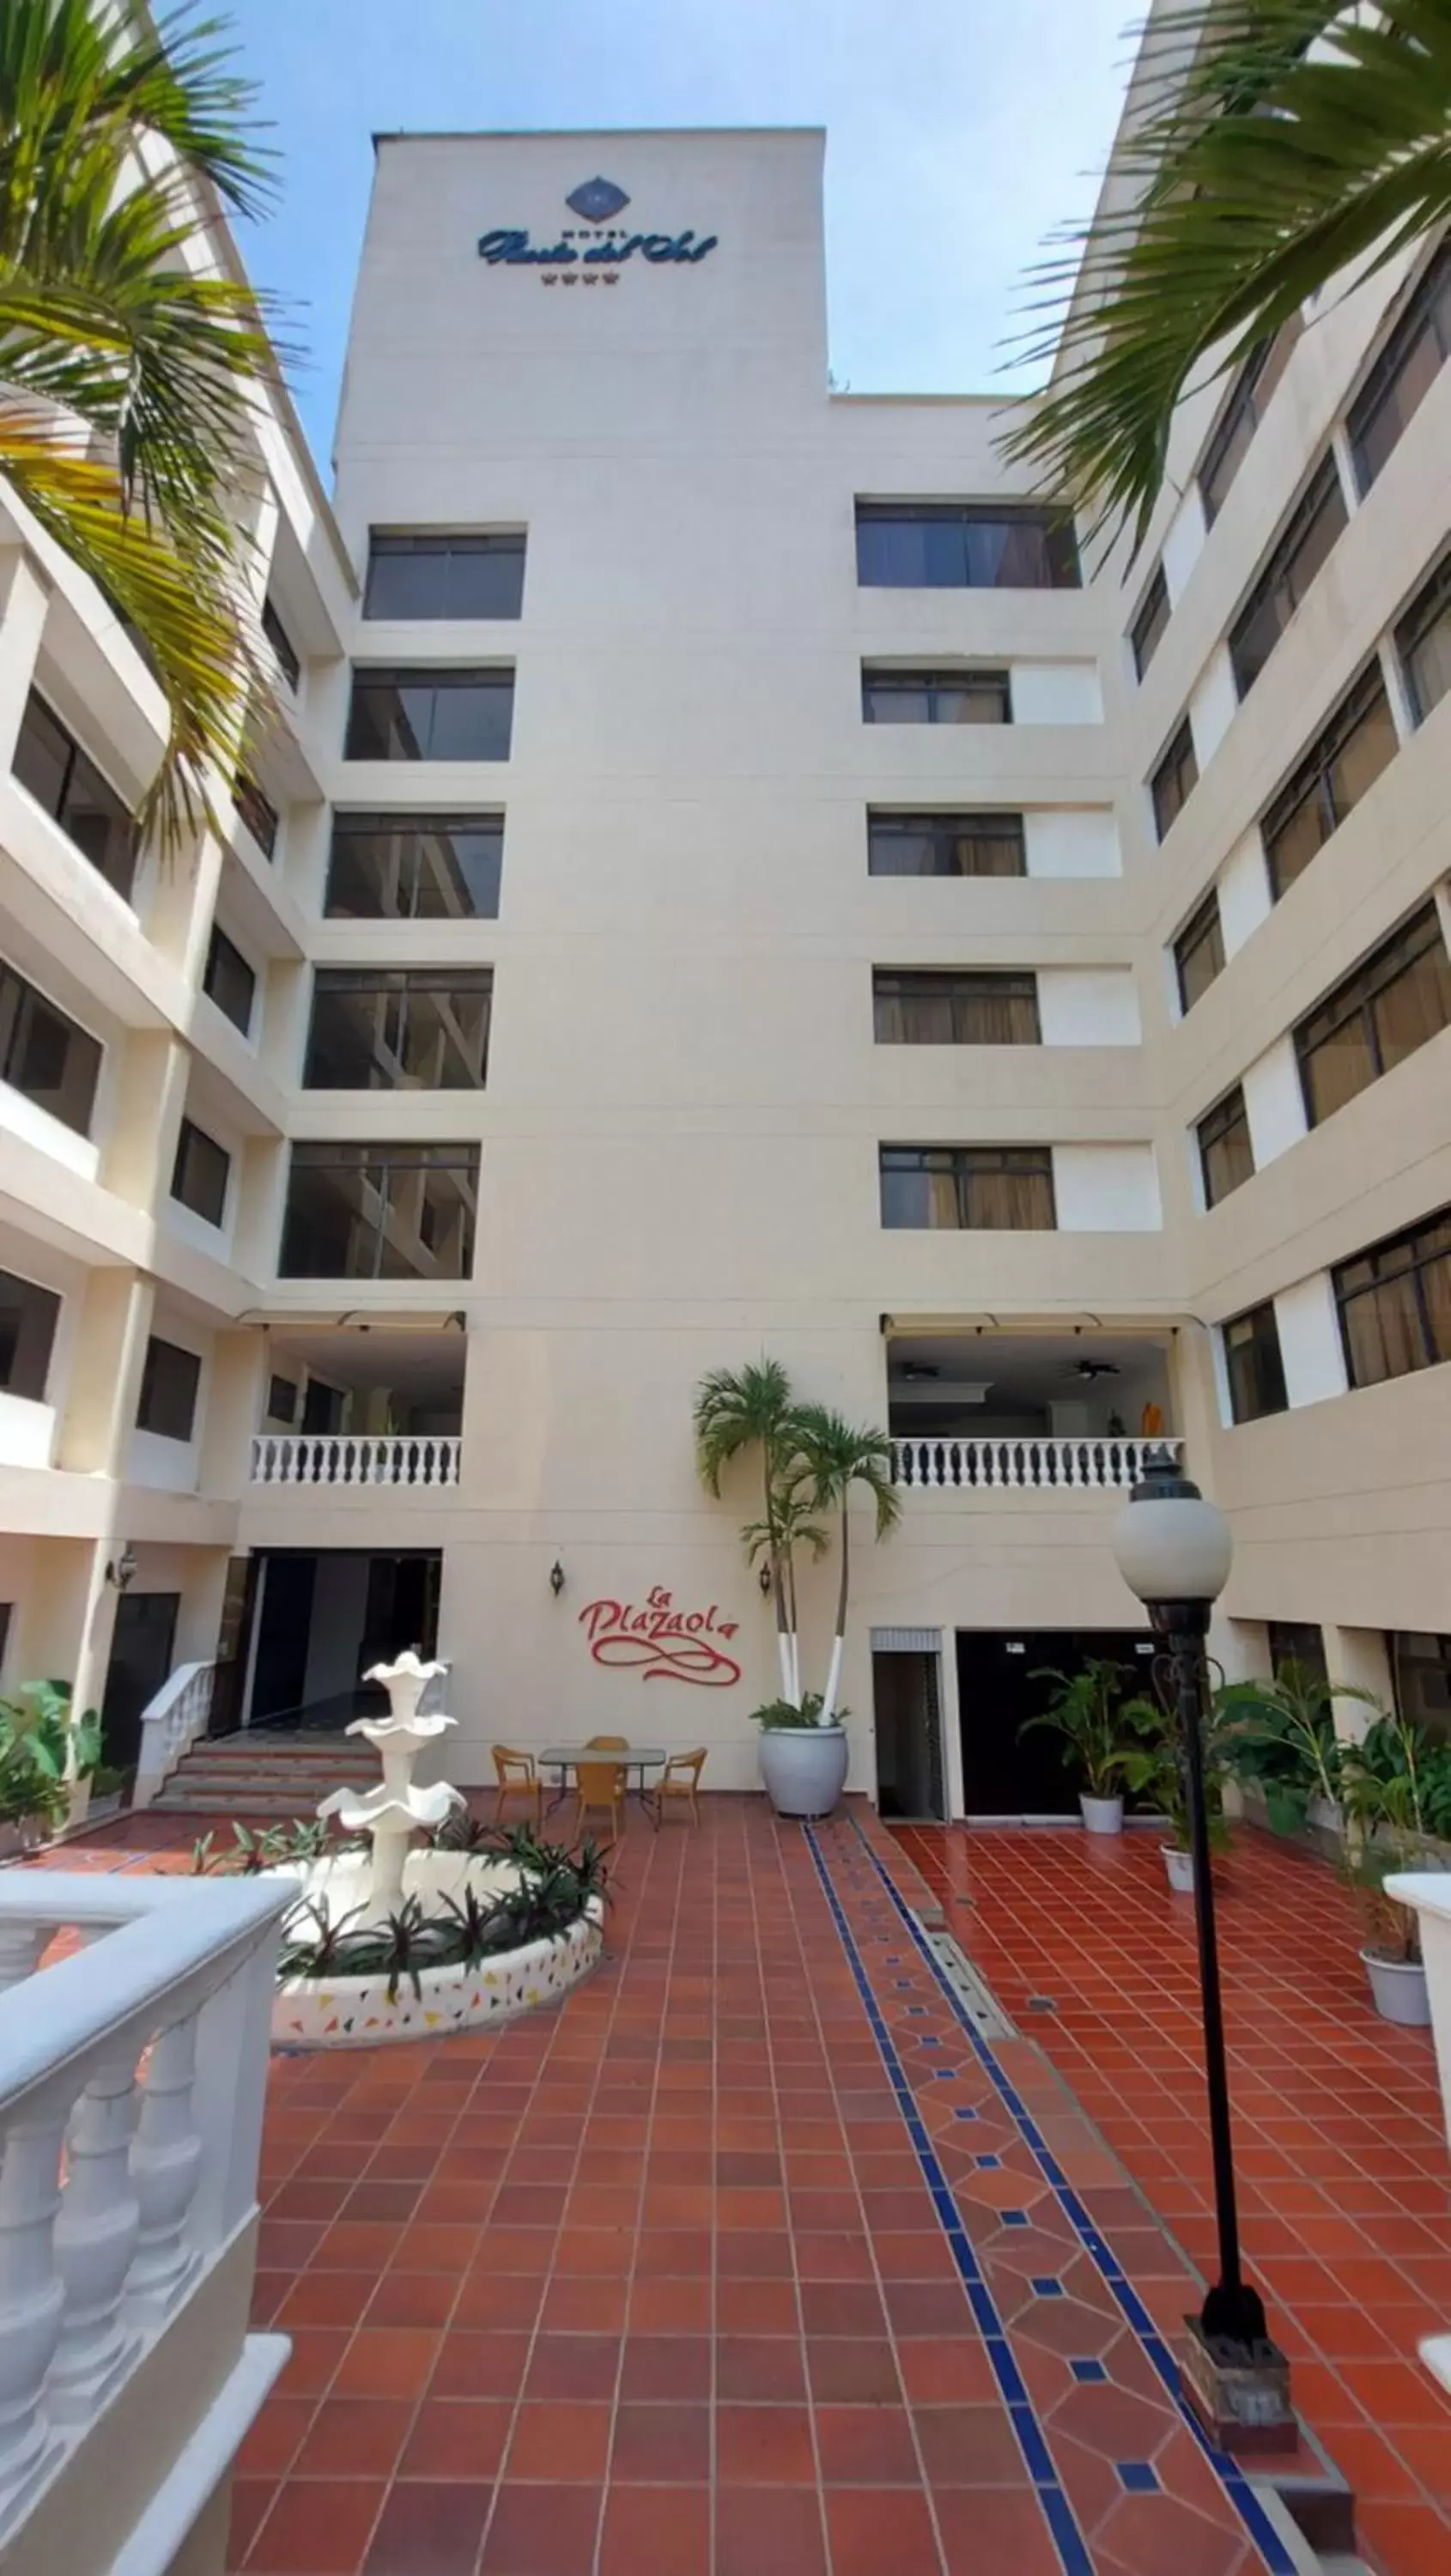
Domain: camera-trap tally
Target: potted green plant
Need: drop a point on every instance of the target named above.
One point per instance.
(1396, 1799)
(44, 1752)
(1283, 1747)
(1152, 1766)
(1085, 1711)
(803, 1762)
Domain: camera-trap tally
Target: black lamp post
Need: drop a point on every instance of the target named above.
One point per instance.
(1173, 1549)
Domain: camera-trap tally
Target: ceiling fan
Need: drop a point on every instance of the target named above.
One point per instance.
(1088, 1370)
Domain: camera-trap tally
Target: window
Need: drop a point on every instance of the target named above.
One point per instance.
(1423, 641)
(945, 845)
(1174, 780)
(229, 981)
(1352, 751)
(260, 818)
(1392, 1004)
(415, 867)
(433, 573)
(1297, 1641)
(323, 1407)
(1404, 372)
(289, 660)
(936, 697)
(1149, 625)
(199, 1176)
(50, 763)
(979, 1186)
(1252, 1361)
(430, 715)
(1241, 417)
(1395, 1303)
(380, 1212)
(1226, 1153)
(957, 1008)
(1421, 1663)
(45, 1055)
(399, 1029)
(1199, 952)
(956, 545)
(1293, 563)
(28, 1318)
(169, 1383)
(282, 1393)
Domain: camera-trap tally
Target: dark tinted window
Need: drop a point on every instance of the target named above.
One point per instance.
(1226, 1154)
(945, 845)
(936, 697)
(28, 1318)
(282, 1399)
(380, 1212)
(954, 545)
(960, 1186)
(45, 1055)
(229, 981)
(50, 763)
(259, 816)
(323, 1406)
(169, 1383)
(1174, 780)
(415, 867)
(1395, 1303)
(199, 1177)
(430, 715)
(1404, 372)
(403, 1029)
(1149, 625)
(435, 574)
(1390, 1006)
(1423, 641)
(1297, 1641)
(958, 1008)
(1241, 417)
(1199, 952)
(288, 658)
(1351, 753)
(1252, 1360)
(1295, 560)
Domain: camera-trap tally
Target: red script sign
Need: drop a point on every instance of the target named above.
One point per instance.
(667, 1644)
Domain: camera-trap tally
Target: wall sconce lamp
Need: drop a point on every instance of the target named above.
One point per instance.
(764, 1580)
(122, 1569)
(556, 1578)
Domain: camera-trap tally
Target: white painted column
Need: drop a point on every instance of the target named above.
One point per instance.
(1361, 1657)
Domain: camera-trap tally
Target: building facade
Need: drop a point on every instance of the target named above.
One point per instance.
(724, 837)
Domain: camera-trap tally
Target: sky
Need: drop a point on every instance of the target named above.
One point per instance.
(961, 134)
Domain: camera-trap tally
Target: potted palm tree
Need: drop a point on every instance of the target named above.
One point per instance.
(1395, 1795)
(1085, 1712)
(1151, 1765)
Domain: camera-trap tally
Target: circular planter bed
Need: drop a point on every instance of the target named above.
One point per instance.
(357, 2012)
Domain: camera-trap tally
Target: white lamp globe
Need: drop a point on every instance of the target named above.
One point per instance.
(1169, 1544)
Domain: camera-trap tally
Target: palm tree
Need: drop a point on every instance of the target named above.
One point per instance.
(832, 1458)
(127, 378)
(1302, 137)
(752, 1408)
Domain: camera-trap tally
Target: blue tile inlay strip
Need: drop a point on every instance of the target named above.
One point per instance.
(1068, 2539)
(1227, 2469)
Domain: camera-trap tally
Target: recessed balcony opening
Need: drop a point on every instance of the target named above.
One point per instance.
(361, 1408)
(1026, 1409)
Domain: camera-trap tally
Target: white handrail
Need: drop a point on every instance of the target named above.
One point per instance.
(355, 1458)
(169, 1723)
(1085, 1462)
(132, 2077)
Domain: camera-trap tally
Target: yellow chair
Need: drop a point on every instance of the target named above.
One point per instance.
(601, 1785)
(517, 1771)
(681, 1779)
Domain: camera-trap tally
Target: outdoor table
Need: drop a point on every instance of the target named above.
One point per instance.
(565, 1758)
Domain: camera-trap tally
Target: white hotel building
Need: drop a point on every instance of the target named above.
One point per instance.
(732, 879)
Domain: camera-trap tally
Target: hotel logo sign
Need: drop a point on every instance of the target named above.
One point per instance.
(660, 1642)
(579, 258)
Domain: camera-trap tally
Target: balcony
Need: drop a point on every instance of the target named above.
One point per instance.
(1027, 1412)
(361, 1410)
(1085, 1464)
(355, 1458)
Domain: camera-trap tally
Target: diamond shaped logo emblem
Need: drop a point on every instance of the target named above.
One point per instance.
(597, 200)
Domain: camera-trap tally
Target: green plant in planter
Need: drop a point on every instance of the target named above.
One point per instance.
(787, 1713)
(1086, 1710)
(44, 1750)
(1282, 1736)
(1397, 1748)
(1152, 1767)
(1395, 1797)
(314, 1940)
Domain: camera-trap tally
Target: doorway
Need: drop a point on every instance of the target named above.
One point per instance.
(322, 1619)
(1000, 1686)
(141, 1646)
(907, 1701)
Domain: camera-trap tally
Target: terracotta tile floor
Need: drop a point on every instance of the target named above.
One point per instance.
(1340, 2150)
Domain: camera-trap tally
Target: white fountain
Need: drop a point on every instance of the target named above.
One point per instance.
(364, 1887)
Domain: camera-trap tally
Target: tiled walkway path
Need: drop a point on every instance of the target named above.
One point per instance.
(1345, 2190)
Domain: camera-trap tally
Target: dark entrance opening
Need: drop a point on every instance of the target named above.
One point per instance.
(907, 1698)
(323, 1619)
(141, 1644)
(999, 1686)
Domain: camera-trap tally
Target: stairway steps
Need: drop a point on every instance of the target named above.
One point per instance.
(264, 1779)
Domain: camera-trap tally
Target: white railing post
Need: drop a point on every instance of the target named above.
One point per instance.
(94, 2241)
(366, 1458)
(32, 2298)
(166, 2163)
(169, 1724)
(1090, 1463)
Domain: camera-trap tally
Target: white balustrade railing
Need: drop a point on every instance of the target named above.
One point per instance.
(1084, 1462)
(169, 1723)
(355, 1458)
(132, 2076)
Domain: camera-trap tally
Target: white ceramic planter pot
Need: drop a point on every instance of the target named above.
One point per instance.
(355, 2012)
(1398, 1990)
(1102, 1815)
(1179, 1870)
(804, 1768)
